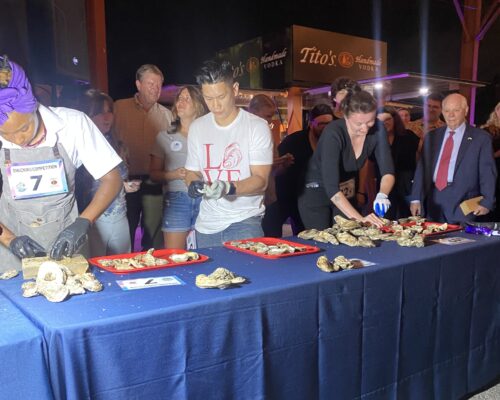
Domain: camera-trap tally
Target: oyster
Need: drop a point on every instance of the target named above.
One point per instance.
(50, 282)
(29, 289)
(276, 251)
(346, 224)
(342, 263)
(184, 257)
(326, 237)
(137, 262)
(90, 282)
(308, 234)
(431, 228)
(415, 241)
(74, 285)
(221, 278)
(365, 241)
(53, 292)
(324, 265)
(347, 238)
(50, 272)
(9, 274)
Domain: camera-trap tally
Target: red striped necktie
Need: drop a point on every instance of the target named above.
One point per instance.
(444, 163)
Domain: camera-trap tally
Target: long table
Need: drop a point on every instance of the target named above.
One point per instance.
(420, 323)
(23, 369)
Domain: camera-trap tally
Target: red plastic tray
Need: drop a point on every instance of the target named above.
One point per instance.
(271, 241)
(164, 253)
(451, 227)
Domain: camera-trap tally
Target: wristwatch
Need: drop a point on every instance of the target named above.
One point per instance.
(232, 189)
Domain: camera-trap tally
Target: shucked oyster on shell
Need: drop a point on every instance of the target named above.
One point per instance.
(184, 257)
(221, 278)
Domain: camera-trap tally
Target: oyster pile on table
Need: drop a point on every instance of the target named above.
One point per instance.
(338, 264)
(56, 282)
(137, 262)
(358, 234)
(221, 278)
(276, 249)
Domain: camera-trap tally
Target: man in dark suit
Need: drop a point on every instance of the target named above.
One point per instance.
(456, 164)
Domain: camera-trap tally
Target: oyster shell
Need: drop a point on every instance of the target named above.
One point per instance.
(415, 241)
(365, 241)
(346, 224)
(29, 289)
(221, 278)
(53, 292)
(9, 274)
(74, 285)
(90, 282)
(347, 238)
(324, 265)
(308, 234)
(343, 263)
(326, 237)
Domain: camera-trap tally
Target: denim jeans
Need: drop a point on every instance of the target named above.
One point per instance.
(248, 228)
(179, 212)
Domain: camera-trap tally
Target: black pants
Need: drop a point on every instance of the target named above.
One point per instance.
(276, 215)
(135, 211)
(316, 209)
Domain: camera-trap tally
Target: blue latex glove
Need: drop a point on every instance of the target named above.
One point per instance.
(196, 189)
(217, 190)
(24, 246)
(71, 239)
(381, 204)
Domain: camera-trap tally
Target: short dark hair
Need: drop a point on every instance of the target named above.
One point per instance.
(358, 102)
(320, 109)
(214, 71)
(436, 96)
(259, 102)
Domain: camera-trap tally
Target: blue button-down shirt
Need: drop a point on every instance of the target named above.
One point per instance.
(457, 140)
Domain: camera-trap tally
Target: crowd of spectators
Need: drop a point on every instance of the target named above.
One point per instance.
(208, 171)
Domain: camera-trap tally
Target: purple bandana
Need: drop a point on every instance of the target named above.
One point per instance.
(17, 96)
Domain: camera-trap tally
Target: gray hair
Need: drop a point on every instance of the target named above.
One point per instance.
(141, 71)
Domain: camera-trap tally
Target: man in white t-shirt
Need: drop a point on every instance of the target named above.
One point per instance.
(229, 160)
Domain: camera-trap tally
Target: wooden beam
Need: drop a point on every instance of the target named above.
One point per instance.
(96, 37)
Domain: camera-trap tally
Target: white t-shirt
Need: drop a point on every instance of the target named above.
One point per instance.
(81, 139)
(226, 153)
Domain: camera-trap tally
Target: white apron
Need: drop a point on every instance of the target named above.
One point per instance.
(41, 218)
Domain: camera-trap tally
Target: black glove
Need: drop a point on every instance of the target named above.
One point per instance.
(24, 246)
(196, 189)
(70, 239)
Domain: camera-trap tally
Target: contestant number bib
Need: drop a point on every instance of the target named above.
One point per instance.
(348, 187)
(37, 179)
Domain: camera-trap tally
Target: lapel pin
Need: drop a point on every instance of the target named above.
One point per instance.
(469, 138)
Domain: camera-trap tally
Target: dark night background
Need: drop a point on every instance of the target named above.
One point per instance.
(179, 36)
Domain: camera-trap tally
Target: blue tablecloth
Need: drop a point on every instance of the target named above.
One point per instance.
(420, 324)
(23, 370)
